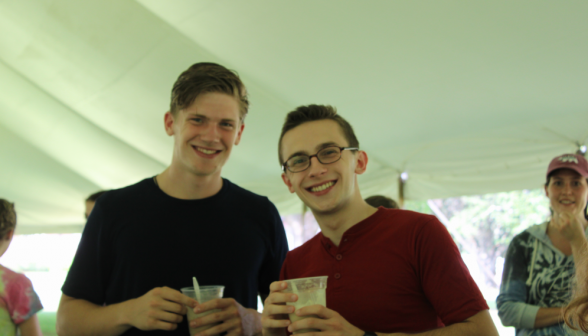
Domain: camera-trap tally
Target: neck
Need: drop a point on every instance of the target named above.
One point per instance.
(185, 185)
(334, 224)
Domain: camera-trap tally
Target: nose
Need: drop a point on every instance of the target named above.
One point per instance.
(567, 188)
(316, 168)
(210, 133)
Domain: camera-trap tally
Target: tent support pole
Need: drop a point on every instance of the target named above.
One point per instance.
(401, 184)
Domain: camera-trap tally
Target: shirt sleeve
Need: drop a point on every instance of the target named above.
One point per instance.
(511, 302)
(91, 268)
(445, 279)
(22, 301)
(277, 253)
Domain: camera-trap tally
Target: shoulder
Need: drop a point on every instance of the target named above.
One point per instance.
(407, 220)
(247, 203)
(13, 279)
(130, 192)
(529, 235)
(307, 248)
(244, 194)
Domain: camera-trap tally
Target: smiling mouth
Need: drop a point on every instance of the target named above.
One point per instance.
(566, 202)
(206, 151)
(322, 187)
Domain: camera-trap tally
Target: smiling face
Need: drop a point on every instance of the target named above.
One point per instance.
(204, 134)
(567, 191)
(324, 188)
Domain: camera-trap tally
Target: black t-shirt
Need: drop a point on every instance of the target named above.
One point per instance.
(138, 238)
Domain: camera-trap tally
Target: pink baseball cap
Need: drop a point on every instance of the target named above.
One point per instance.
(575, 162)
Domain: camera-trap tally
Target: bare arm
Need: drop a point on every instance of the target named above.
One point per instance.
(547, 317)
(80, 317)
(161, 308)
(30, 327)
(479, 325)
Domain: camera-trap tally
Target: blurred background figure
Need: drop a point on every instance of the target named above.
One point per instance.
(540, 261)
(91, 201)
(19, 303)
(379, 200)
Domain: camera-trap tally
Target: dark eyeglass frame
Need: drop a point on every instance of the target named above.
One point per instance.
(285, 164)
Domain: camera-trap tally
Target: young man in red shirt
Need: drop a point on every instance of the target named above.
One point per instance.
(389, 271)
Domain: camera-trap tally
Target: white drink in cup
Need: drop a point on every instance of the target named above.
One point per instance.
(207, 293)
(310, 291)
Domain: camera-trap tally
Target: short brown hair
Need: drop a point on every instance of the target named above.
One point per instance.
(7, 217)
(94, 196)
(203, 78)
(303, 114)
(379, 200)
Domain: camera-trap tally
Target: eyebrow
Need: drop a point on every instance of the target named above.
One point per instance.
(317, 148)
(192, 115)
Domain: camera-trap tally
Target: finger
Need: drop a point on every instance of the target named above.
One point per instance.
(318, 310)
(153, 324)
(275, 321)
(234, 324)
(216, 304)
(277, 286)
(308, 323)
(159, 304)
(276, 298)
(165, 316)
(213, 316)
(173, 295)
(277, 309)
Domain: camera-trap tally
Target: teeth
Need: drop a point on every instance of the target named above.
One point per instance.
(322, 187)
(206, 151)
(566, 202)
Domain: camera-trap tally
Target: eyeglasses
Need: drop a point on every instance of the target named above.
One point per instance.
(301, 162)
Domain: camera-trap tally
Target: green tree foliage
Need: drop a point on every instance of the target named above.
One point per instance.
(484, 225)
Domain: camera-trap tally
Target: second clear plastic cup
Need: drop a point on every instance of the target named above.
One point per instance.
(310, 291)
(207, 293)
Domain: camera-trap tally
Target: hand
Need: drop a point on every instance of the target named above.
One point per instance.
(570, 226)
(274, 319)
(328, 321)
(161, 308)
(235, 319)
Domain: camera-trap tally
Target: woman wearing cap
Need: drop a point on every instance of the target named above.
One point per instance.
(539, 263)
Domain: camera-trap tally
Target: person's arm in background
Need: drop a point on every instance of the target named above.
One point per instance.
(511, 302)
(572, 229)
(30, 327)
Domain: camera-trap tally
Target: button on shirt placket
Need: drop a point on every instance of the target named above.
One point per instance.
(336, 252)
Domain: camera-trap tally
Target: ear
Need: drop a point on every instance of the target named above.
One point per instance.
(287, 182)
(9, 235)
(361, 161)
(241, 128)
(168, 122)
(546, 192)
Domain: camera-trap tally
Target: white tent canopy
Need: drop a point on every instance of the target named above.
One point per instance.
(468, 97)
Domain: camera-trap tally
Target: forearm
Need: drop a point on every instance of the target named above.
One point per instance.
(30, 327)
(580, 253)
(478, 325)
(82, 318)
(547, 317)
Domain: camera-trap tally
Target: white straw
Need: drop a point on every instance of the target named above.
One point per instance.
(196, 289)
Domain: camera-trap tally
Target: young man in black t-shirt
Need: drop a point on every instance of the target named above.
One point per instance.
(144, 242)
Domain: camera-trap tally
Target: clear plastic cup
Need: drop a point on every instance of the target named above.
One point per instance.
(207, 293)
(310, 291)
